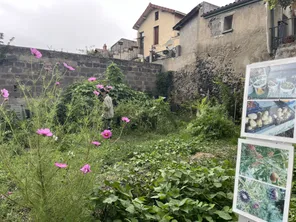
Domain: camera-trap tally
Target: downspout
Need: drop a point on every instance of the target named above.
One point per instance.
(269, 20)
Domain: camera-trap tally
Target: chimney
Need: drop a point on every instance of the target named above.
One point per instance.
(105, 47)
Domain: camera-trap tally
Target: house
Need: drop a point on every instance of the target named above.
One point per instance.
(233, 35)
(282, 26)
(125, 49)
(155, 29)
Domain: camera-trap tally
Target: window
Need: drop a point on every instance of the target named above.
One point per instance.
(142, 43)
(156, 35)
(156, 16)
(228, 23)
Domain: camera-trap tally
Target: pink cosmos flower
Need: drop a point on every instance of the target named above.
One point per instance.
(36, 53)
(100, 86)
(109, 87)
(106, 134)
(96, 93)
(125, 119)
(85, 169)
(4, 93)
(92, 79)
(44, 132)
(96, 143)
(68, 67)
(61, 165)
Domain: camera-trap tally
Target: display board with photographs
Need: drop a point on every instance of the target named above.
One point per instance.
(263, 180)
(270, 101)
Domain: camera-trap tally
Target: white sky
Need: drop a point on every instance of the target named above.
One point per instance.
(69, 25)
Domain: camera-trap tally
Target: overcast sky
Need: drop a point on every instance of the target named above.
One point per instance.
(69, 25)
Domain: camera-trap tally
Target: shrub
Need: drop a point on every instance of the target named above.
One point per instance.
(114, 74)
(212, 123)
(148, 115)
(164, 83)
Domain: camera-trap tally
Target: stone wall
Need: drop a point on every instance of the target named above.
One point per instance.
(220, 55)
(19, 63)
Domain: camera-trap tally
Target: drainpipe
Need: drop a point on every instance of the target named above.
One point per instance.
(269, 32)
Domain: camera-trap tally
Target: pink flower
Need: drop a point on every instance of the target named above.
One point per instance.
(4, 93)
(44, 132)
(96, 93)
(106, 134)
(125, 119)
(96, 143)
(85, 169)
(109, 87)
(57, 83)
(36, 53)
(61, 165)
(100, 86)
(68, 67)
(92, 79)
(9, 193)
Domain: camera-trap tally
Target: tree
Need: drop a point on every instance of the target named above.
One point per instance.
(282, 3)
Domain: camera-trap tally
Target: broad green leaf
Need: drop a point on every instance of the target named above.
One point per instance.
(111, 199)
(224, 215)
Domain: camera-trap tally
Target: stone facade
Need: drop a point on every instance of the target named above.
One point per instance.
(20, 64)
(218, 53)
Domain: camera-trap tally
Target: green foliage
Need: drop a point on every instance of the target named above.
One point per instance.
(232, 100)
(148, 115)
(283, 3)
(164, 83)
(114, 74)
(179, 191)
(212, 123)
(77, 103)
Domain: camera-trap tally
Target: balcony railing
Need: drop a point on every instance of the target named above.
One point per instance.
(283, 33)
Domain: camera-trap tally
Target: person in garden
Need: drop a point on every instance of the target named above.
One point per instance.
(108, 111)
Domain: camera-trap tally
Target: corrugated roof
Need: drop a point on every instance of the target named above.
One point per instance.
(152, 7)
(229, 6)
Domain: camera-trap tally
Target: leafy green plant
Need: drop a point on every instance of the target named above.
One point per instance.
(178, 192)
(164, 83)
(114, 74)
(212, 123)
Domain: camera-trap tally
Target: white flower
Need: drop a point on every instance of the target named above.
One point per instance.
(55, 137)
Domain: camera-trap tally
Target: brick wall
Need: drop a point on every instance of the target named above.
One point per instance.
(19, 63)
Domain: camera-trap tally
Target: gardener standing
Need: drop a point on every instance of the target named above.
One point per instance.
(108, 111)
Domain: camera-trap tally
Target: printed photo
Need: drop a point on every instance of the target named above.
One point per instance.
(272, 82)
(263, 180)
(271, 118)
(265, 164)
(263, 201)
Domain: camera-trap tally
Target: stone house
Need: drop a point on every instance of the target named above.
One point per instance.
(125, 49)
(155, 29)
(235, 33)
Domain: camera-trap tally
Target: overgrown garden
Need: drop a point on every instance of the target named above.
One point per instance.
(58, 164)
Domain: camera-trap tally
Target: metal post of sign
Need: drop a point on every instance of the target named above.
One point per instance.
(244, 219)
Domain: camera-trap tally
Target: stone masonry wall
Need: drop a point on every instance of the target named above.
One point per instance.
(19, 63)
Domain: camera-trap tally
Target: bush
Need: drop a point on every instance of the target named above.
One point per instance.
(148, 115)
(212, 122)
(164, 83)
(114, 74)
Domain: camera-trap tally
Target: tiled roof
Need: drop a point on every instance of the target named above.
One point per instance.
(229, 6)
(152, 7)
